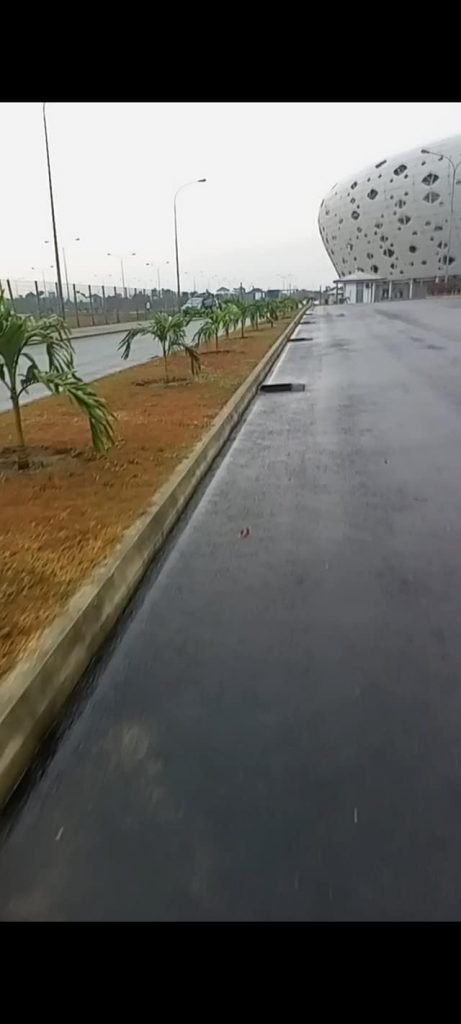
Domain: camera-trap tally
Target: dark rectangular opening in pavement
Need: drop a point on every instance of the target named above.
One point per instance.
(282, 386)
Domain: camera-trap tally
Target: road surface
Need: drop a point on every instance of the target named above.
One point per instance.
(274, 731)
(96, 356)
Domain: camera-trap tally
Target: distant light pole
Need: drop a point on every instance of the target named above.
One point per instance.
(121, 258)
(158, 265)
(197, 181)
(53, 218)
(65, 266)
(42, 271)
(443, 156)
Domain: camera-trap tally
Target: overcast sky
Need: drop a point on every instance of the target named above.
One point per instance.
(116, 168)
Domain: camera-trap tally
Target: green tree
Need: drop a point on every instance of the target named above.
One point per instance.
(242, 308)
(228, 316)
(271, 311)
(170, 331)
(210, 326)
(256, 312)
(19, 371)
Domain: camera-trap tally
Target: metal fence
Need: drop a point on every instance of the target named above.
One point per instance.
(87, 304)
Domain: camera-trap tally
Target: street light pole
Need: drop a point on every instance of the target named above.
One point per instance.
(158, 265)
(121, 258)
(197, 181)
(65, 266)
(65, 273)
(53, 218)
(450, 222)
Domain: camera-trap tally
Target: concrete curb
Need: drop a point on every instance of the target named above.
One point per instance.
(32, 694)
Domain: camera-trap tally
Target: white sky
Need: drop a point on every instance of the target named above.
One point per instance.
(116, 168)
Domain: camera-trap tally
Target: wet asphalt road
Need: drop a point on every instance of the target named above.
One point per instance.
(274, 732)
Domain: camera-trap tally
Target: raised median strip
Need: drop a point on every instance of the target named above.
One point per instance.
(32, 694)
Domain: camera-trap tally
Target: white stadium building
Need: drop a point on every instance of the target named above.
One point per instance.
(393, 230)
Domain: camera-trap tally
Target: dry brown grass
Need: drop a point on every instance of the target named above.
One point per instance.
(61, 518)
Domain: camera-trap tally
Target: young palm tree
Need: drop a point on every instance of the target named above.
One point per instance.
(170, 331)
(210, 326)
(242, 308)
(227, 316)
(271, 311)
(255, 312)
(17, 334)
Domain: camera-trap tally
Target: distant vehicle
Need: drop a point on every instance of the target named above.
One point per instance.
(193, 303)
(197, 302)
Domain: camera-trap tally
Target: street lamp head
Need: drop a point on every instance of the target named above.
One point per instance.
(200, 181)
(427, 151)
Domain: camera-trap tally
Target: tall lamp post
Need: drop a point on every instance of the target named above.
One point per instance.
(432, 152)
(197, 181)
(53, 218)
(121, 258)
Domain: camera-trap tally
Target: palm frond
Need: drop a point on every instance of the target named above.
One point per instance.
(30, 376)
(94, 407)
(12, 339)
(54, 334)
(205, 332)
(124, 346)
(168, 328)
